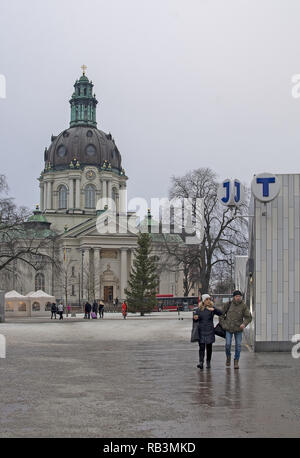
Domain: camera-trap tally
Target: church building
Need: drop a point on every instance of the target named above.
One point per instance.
(83, 181)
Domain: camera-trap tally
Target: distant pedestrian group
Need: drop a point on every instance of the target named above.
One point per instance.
(91, 311)
(58, 310)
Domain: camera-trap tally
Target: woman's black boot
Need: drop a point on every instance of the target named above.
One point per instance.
(201, 359)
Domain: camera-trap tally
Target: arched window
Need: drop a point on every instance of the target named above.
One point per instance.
(39, 282)
(36, 307)
(48, 307)
(62, 197)
(89, 196)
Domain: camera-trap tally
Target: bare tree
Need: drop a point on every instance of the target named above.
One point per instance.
(223, 281)
(175, 257)
(21, 241)
(225, 232)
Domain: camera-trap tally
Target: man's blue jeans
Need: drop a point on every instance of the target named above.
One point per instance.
(238, 336)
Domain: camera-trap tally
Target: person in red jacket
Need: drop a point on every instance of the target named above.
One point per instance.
(124, 310)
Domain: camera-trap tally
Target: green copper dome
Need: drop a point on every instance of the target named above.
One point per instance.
(37, 216)
(37, 226)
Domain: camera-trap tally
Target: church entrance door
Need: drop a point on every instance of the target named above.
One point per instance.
(108, 293)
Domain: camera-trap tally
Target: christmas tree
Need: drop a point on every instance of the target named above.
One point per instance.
(142, 284)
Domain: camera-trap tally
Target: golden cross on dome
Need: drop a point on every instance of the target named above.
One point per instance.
(84, 67)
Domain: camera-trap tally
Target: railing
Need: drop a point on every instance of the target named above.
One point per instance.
(108, 308)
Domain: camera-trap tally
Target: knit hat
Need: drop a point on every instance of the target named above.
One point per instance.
(236, 293)
(205, 296)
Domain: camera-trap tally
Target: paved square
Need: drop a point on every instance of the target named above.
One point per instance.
(138, 378)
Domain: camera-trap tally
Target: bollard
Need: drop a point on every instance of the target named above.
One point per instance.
(2, 307)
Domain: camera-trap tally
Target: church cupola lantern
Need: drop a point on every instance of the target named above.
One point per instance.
(83, 102)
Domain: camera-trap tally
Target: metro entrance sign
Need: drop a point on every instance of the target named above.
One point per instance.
(231, 193)
(265, 186)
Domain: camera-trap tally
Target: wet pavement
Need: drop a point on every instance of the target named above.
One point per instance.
(138, 378)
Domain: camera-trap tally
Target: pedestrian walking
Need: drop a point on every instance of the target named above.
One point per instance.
(87, 310)
(95, 308)
(203, 329)
(179, 308)
(116, 303)
(124, 310)
(101, 309)
(60, 309)
(236, 316)
(53, 310)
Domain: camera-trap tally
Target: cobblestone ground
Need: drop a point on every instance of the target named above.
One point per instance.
(138, 378)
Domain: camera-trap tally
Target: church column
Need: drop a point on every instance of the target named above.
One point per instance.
(104, 192)
(109, 189)
(49, 195)
(87, 274)
(97, 270)
(92, 275)
(106, 182)
(123, 199)
(124, 272)
(117, 202)
(77, 204)
(71, 193)
(45, 195)
(42, 197)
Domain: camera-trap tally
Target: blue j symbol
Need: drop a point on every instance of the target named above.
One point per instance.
(238, 191)
(226, 185)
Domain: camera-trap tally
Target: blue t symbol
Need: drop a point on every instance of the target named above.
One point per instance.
(265, 182)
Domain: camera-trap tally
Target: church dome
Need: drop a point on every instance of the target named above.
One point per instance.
(82, 143)
(88, 145)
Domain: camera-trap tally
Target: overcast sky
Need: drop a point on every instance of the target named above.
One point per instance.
(181, 85)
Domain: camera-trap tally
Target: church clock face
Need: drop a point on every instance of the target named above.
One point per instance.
(90, 174)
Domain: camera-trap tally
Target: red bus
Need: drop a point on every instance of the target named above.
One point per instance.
(174, 303)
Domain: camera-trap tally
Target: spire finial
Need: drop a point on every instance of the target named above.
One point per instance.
(84, 67)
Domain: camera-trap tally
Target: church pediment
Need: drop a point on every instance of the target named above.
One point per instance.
(85, 228)
(102, 225)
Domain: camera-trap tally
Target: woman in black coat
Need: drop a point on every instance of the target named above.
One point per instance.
(203, 319)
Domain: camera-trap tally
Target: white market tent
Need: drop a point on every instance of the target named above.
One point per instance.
(35, 303)
(16, 304)
(40, 302)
